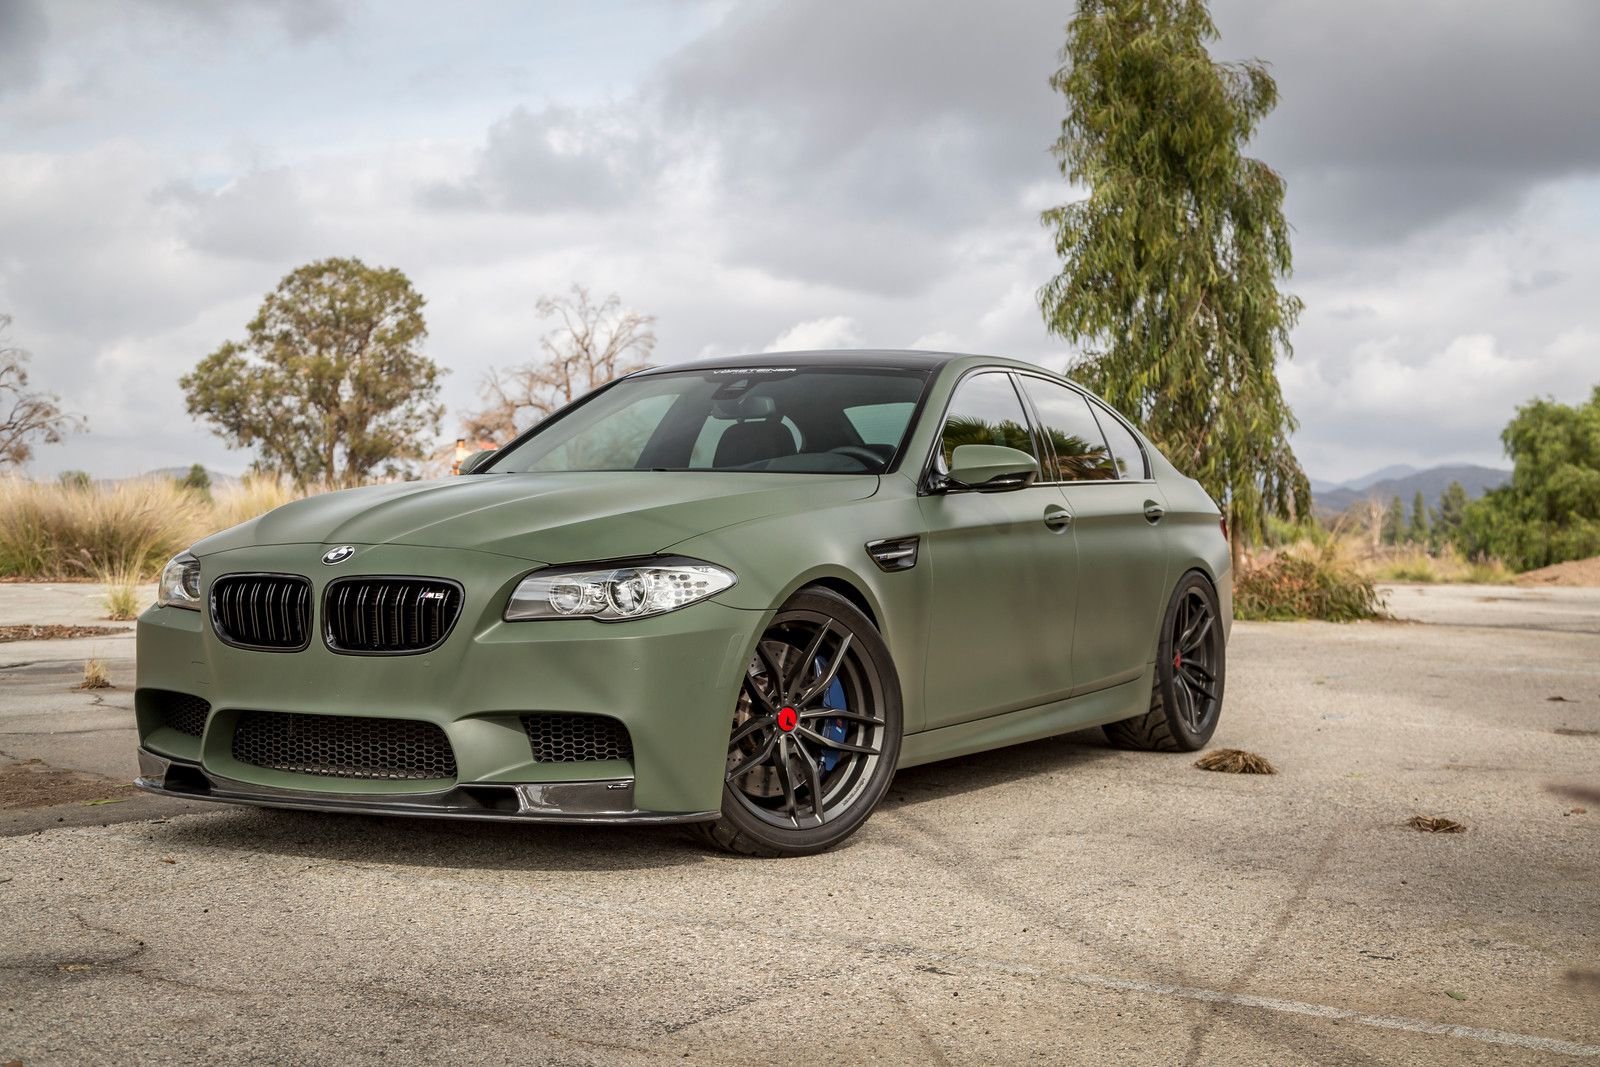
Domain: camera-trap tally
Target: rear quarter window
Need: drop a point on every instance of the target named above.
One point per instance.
(1126, 452)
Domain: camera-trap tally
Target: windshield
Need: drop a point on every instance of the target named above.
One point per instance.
(797, 420)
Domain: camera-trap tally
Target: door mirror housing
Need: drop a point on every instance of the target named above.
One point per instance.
(476, 460)
(990, 469)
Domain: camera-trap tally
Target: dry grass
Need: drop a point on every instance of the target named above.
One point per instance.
(121, 596)
(1235, 761)
(52, 531)
(1412, 564)
(95, 675)
(1435, 824)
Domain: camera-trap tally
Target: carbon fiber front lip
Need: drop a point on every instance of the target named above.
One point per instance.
(548, 802)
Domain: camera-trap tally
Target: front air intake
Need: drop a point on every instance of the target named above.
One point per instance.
(577, 738)
(264, 612)
(344, 746)
(389, 616)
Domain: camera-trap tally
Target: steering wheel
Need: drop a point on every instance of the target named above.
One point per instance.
(862, 454)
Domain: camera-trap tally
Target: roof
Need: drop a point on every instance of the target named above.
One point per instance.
(900, 359)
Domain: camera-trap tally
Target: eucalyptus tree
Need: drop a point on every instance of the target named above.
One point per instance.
(1171, 262)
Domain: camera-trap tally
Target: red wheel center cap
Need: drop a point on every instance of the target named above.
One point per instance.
(788, 719)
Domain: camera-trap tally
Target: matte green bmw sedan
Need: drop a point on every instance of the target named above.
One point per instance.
(735, 594)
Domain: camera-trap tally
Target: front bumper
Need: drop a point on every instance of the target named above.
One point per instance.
(672, 680)
(605, 801)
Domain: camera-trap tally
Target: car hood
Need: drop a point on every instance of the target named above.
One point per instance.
(543, 518)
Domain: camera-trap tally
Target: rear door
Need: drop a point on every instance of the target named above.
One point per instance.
(1101, 472)
(1003, 570)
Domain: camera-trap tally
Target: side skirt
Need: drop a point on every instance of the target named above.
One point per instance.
(1030, 724)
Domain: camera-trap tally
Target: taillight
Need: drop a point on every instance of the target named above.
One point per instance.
(1222, 521)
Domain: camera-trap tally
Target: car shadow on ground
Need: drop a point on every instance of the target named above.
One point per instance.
(489, 846)
(1066, 753)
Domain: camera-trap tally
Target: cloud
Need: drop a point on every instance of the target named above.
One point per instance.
(836, 331)
(301, 21)
(1396, 117)
(22, 34)
(259, 216)
(555, 159)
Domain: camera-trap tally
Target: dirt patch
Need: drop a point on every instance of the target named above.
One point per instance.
(35, 784)
(55, 632)
(1582, 572)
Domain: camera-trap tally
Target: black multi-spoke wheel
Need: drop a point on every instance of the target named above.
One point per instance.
(1186, 699)
(815, 732)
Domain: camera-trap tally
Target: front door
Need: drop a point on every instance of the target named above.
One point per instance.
(1004, 574)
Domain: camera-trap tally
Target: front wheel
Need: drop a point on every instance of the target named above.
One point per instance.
(1186, 699)
(815, 733)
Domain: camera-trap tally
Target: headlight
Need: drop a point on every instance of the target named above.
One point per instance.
(627, 589)
(180, 583)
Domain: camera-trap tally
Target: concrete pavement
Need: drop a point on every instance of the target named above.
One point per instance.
(1054, 902)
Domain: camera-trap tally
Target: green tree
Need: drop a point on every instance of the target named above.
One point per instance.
(1550, 510)
(1170, 265)
(329, 385)
(1394, 519)
(1451, 513)
(78, 480)
(1418, 531)
(198, 479)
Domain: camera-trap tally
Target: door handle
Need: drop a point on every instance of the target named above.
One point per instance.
(1153, 512)
(1057, 519)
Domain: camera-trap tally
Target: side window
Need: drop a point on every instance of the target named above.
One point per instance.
(1125, 448)
(985, 411)
(1080, 449)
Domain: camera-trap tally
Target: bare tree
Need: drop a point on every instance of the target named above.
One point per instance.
(27, 417)
(589, 345)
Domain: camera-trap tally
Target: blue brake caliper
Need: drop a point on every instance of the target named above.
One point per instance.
(833, 729)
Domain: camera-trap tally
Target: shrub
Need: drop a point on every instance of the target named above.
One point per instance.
(1306, 583)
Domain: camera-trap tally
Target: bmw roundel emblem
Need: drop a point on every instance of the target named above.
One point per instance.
(338, 555)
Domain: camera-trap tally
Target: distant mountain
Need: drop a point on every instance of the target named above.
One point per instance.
(1431, 482)
(1388, 474)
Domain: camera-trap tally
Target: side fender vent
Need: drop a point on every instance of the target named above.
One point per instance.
(894, 553)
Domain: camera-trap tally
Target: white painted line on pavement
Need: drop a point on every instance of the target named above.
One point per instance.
(1323, 1011)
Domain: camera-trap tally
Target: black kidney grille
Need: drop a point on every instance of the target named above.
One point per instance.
(577, 738)
(271, 612)
(389, 615)
(343, 746)
(184, 713)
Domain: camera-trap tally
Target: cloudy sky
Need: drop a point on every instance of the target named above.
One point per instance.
(760, 174)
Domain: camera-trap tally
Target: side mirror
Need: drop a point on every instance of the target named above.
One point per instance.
(991, 469)
(476, 460)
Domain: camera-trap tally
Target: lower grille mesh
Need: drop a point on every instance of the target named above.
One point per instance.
(183, 713)
(577, 738)
(344, 746)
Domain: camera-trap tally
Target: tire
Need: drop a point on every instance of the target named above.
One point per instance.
(819, 653)
(1191, 660)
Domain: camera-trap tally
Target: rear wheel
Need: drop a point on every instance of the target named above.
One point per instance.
(1186, 699)
(815, 733)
